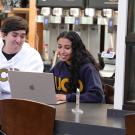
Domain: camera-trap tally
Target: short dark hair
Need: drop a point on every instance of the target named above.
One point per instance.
(14, 23)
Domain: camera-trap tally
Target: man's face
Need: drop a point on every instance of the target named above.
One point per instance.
(15, 39)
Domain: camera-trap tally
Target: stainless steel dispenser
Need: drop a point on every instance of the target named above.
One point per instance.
(89, 31)
(75, 13)
(52, 26)
(88, 17)
(59, 19)
(46, 12)
(110, 21)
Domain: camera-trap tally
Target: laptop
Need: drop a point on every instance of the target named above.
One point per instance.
(33, 86)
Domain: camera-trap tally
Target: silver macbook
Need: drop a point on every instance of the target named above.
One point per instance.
(33, 86)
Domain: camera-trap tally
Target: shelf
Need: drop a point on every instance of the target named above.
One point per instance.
(19, 10)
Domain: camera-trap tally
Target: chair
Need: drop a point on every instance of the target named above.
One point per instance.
(130, 124)
(101, 61)
(109, 93)
(23, 117)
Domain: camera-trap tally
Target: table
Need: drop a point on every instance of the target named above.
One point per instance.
(93, 121)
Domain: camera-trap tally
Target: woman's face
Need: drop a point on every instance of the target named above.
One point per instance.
(64, 49)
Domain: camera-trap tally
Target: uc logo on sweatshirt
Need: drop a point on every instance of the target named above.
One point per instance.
(62, 84)
(3, 75)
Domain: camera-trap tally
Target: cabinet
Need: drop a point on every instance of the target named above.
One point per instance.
(30, 14)
(129, 88)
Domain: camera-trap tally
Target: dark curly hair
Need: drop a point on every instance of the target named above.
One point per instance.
(80, 55)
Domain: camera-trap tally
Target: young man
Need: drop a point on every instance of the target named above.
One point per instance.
(15, 53)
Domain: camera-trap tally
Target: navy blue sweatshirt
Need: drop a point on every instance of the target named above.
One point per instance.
(89, 83)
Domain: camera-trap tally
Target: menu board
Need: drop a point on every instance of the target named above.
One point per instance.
(100, 4)
(61, 3)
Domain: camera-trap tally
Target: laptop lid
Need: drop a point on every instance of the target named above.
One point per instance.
(33, 86)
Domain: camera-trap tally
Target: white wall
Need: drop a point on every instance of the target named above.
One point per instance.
(120, 54)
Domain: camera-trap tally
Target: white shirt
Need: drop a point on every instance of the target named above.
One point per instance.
(27, 59)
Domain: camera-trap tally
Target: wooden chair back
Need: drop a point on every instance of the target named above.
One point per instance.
(130, 124)
(109, 93)
(23, 117)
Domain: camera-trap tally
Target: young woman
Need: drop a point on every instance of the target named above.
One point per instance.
(76, 69)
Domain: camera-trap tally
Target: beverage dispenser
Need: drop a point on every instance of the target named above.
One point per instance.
(52, 24)
(58, 20)
(110, 34)
(71, 18)
(46, 12)
(89, 30)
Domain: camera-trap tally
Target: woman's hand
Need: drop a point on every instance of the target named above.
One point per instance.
(61, 97)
